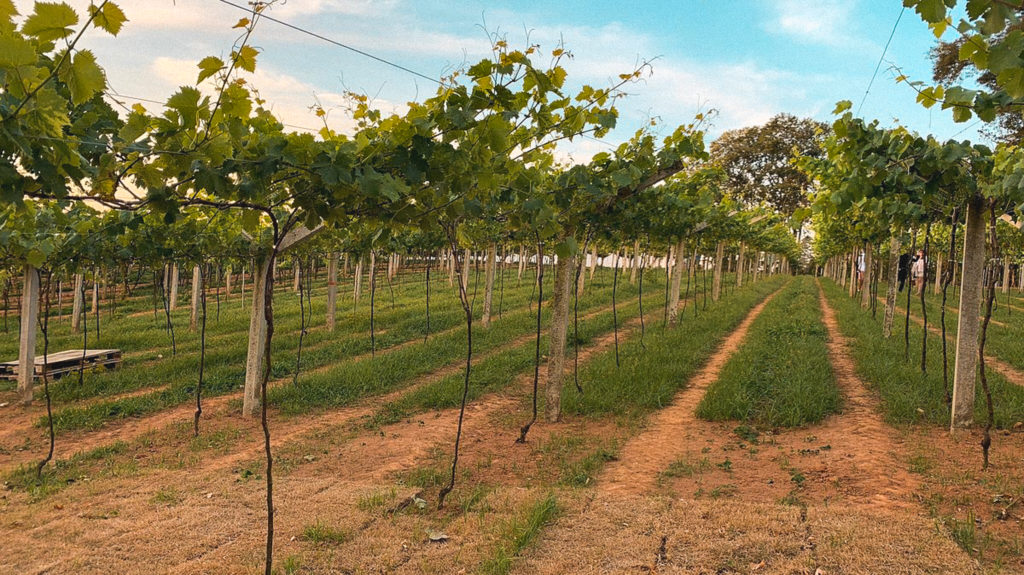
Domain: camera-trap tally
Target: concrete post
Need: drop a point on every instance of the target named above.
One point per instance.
(716, 282)
(27, 344)
(965, 371)
(332, 289)
(257, 341)
(197, 286)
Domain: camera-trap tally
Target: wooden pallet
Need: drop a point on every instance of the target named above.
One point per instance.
(65, 362)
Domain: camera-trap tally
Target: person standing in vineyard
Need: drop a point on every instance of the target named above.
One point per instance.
(904, 265)
(860, 271)
(917, 271)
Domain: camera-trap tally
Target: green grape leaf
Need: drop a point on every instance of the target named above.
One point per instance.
(7, 10)
(186, 103)
(84, 77)
(50, 21)
(566, 248)
(245, 58)
(208, 67)
(109, 18)
(15, 52)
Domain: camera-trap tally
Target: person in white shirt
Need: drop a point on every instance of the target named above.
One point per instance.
(860, 271)
(917, 271)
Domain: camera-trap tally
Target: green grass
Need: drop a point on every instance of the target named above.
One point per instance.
(686, 467)
(65, 472)
(343, 382)
(519, 533)
(321, 533)
(651, 372)
(493, 373)
(1003, 339)
(781, 374)
(907, 395)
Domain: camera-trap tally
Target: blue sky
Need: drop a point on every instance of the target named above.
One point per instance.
(747, 59)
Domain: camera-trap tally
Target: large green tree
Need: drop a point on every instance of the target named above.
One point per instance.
(758, 161)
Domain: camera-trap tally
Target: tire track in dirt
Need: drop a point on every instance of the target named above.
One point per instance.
(648, 454)
(20, 418)
(1011, 373)
(870, 464)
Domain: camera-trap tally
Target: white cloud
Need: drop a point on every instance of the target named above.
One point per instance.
(825, 22)
(364, 8)
(289, 98)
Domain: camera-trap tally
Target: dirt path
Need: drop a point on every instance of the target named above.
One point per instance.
(651, 452)
(831, 498)
(874, 471)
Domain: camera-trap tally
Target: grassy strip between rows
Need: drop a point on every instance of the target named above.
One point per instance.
(1003, 340)
(489, 378)
(320, 347)
(496, 372)
(489, 375)
(519, 533)
(339, 385)
(781, 374)
(908, 396)
(141, 332)
(651, 371)
(224, 372)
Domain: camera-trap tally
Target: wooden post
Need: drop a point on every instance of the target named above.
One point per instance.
(197, 286)
(557, 339)
(1006, 277)
(466, 257)
(490, 264)
(938, 275)
(890, 290)
(258, 320)
(965, 370)
(27, 345)
(332, 289)
(297, 281)
(371, 273)
(593, 261)
(522, 262)
(716, 282)
(634, 262)
(227, 282)
(853, 274)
